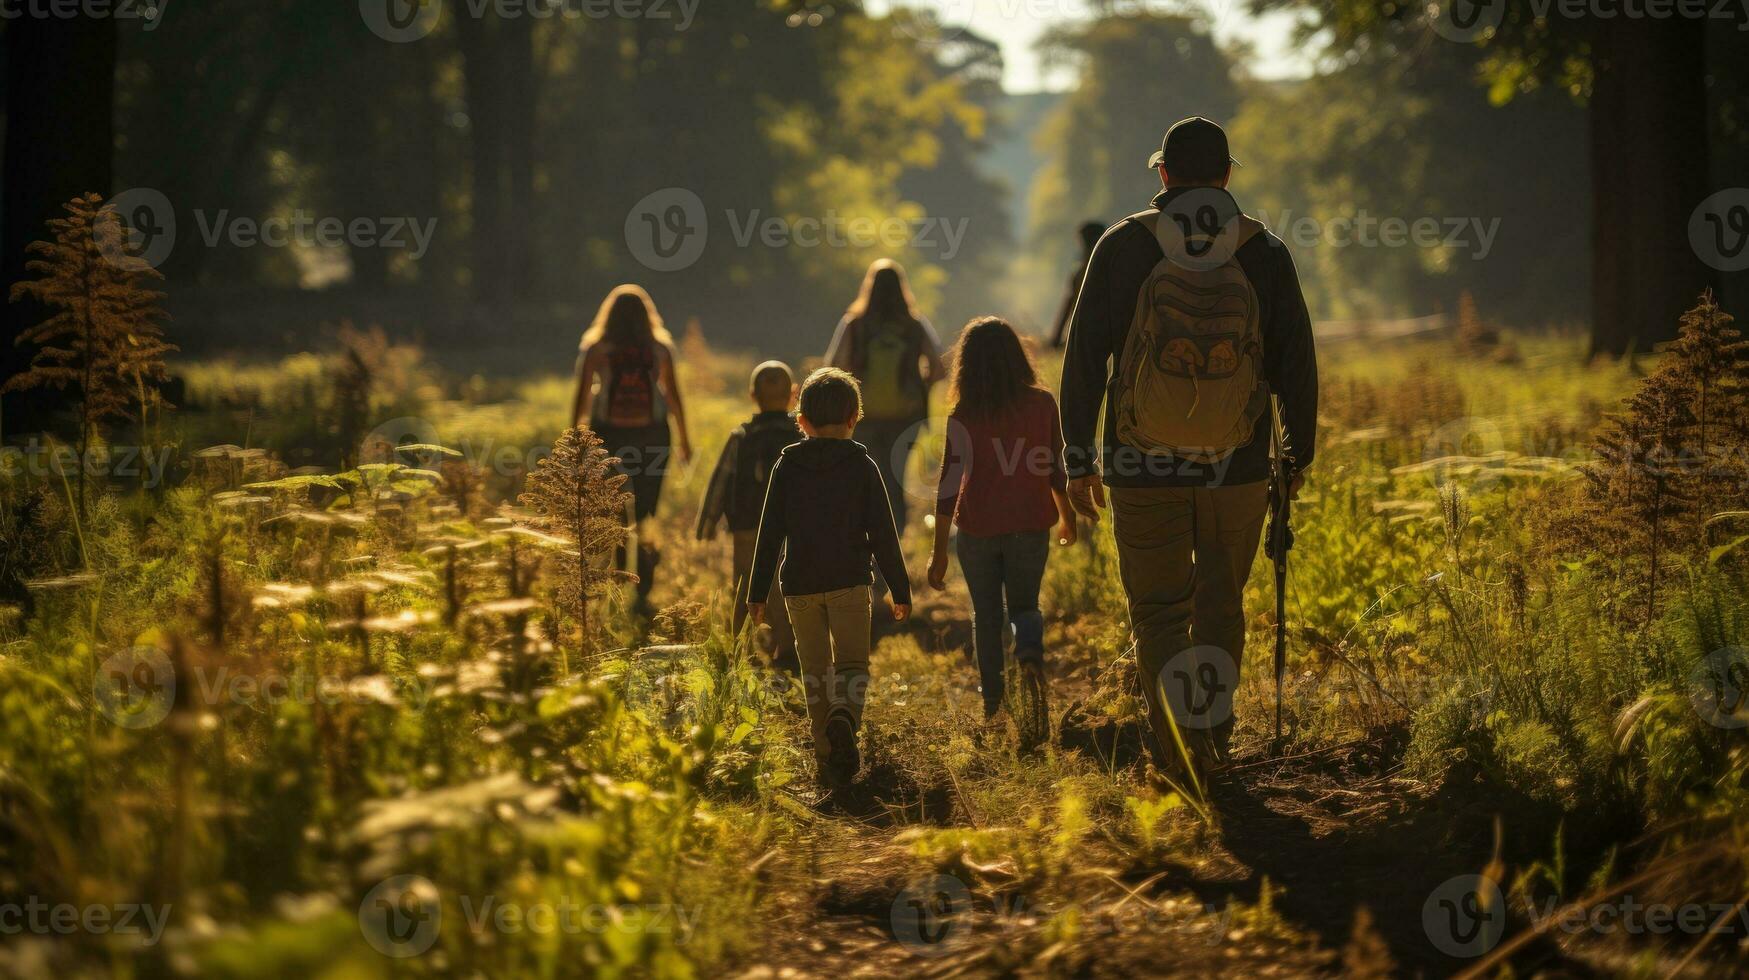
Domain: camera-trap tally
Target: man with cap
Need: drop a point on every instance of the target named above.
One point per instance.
(1191, 330)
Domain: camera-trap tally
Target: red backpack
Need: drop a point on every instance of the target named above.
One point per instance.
(628, 392)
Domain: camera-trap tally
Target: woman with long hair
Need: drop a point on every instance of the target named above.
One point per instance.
(894, 354)
(627, 393)
(1003, 485)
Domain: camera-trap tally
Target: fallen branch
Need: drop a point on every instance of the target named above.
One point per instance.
(1136, 892)
(1504, 952)
(1713, 932)
(1240, 767)
(964, 802)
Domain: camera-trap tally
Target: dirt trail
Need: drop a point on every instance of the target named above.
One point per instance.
(1333, 833)
(1336, 833)
(1329, 834)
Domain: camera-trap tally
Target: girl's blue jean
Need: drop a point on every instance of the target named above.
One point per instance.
(1003, 573)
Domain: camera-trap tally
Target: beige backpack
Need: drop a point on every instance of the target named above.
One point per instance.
(1190, 382)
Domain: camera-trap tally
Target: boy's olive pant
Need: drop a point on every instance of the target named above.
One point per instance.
(783, 640)
(1184, 554)
(832, 636)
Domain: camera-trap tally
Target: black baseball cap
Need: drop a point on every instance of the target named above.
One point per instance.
(1195, 145)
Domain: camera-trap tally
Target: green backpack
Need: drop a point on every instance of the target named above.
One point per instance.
(886, 366)
(1190, 382)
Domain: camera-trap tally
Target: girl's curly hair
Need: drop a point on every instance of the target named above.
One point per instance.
(992, 369)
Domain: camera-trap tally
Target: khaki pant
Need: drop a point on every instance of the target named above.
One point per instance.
(832, 636)
(783, 640)
(1184, 554)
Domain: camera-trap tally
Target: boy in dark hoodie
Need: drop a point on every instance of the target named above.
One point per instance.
(737, 492)
(826, 512)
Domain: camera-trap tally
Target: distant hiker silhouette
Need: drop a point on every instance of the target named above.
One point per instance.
(1189, 321)
(1090, 233)
(626, 392)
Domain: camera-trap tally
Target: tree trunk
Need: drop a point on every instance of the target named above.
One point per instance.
(1730, 134)
(520, 130)
(437, 270)
(485, 89)
(1649, 166)
(60, 92)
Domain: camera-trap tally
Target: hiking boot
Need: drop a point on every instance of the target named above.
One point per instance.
(1032, 721)
(843, 758)
(1169, 779)
(1209, 759)
(1168, 768)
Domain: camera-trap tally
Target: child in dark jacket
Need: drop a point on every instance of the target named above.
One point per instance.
(826, 513)
(1003, 484)
(737, 492)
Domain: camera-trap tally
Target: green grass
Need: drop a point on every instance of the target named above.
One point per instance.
(490, 757)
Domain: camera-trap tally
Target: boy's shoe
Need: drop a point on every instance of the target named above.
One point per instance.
(843, 758)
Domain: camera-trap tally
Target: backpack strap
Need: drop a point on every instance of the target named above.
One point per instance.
(1248, 227)
(786, 421)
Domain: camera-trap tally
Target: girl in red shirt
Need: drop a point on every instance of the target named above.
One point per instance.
(1002, 483)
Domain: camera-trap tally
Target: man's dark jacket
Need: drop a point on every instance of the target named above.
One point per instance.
(1121, 264)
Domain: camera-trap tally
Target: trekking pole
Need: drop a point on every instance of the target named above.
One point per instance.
(1277, 543)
